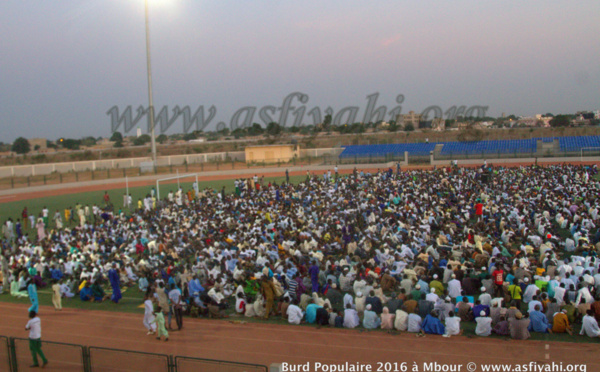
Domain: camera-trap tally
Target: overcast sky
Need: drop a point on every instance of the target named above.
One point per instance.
(64, 64)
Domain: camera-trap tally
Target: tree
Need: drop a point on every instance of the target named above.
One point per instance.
(161, 138)
(116, 137)
(239, 132)
(255, 130)
(142, 140)
(409, 127)
(71, 144)
(560, 121)
(189, 136)
(21, 146)
(327, 120)
(273, 129)
(88, 141)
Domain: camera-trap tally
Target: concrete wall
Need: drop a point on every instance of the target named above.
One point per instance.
(270, 154)
(81, 166)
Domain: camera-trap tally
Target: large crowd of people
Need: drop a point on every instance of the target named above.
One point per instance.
(422, 251)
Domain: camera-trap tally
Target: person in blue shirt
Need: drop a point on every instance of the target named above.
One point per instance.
(311, 312)
(86, 293)
(314, 276)
(56, 273)
(424, 285)
(195, 290)
(113, 277)
(33, 297)
(432, 325)
(478, 308)
(538, 322)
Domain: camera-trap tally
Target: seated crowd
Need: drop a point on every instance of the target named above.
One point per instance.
(416, 251)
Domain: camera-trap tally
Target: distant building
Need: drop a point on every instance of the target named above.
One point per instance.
(438, 124)
(411, 118)
(41, 142)
(198, 140)
(527, 121)
(271, 153)
(139, 132)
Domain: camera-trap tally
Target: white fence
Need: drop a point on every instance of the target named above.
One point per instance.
(163, 161)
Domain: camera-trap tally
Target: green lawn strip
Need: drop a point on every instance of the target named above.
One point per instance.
(132, 298)
(60, 202)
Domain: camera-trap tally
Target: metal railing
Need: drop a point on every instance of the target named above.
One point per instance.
(15, 356)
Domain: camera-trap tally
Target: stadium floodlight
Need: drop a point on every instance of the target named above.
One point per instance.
(150, 100)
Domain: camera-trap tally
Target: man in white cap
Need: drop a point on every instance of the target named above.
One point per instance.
(485, 297)
(370, 319)
(530, 291)
(360, 302)
(432, 296)
(444, 308)
(454, 287)
(484, 325)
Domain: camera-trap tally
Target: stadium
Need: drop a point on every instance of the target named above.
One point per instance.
(322, 218)
(460, 243)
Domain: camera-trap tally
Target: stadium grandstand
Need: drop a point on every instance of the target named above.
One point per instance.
(547, 146)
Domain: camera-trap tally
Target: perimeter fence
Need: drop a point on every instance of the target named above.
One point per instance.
(15, 356)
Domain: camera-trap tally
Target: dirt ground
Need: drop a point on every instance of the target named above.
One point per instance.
(269, 343)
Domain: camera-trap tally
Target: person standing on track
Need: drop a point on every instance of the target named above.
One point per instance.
(34, 326)
(149, 317)
(56, 296)
(160, 323)
(268, 291)
(33, 297)
(175, 297)
(113, 277)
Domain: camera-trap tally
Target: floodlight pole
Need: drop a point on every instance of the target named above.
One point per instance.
(149, 71)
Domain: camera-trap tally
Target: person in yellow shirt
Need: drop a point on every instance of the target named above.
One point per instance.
(516, 293)
(561, 323)
(437, 285)
(68, 216)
